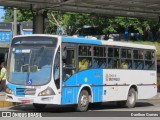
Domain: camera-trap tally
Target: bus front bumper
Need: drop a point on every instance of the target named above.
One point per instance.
(54, 99)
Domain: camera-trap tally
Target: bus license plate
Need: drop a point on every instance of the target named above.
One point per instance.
(26, 101)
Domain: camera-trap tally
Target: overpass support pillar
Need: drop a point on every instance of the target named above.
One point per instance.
(38, 22)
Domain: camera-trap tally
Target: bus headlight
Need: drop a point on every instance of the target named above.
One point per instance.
(48, 91)
(9, 91)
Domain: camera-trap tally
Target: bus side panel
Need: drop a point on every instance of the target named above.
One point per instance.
(118, 82)
(71, 87)
(93, 78)
(70, 90)
(116, 85)
(69, 95)
(146, 92)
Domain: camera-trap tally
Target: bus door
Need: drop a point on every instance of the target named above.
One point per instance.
(68, 70)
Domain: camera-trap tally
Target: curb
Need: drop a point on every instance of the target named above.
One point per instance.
(5, 104)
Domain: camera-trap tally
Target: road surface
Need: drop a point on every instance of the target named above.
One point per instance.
(106, 109)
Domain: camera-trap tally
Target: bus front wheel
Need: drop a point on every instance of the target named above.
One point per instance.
(39, 107)
(83, 101)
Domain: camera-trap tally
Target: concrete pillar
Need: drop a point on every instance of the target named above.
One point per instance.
(38, 22)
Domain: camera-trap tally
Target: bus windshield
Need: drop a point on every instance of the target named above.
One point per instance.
(30, 65)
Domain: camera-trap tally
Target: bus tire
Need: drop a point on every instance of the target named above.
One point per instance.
(39, 107)
(131, 99)
(83, 101)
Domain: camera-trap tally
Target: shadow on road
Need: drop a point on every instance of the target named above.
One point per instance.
(68, 108)
(113, 105)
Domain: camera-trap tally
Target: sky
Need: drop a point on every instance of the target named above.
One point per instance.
(1, 13)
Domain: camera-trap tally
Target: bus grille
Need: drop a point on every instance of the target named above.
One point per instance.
(25, 91)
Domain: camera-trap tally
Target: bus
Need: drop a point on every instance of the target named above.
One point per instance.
(61, 70)
(5, 38)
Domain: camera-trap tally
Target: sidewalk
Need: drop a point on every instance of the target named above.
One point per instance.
(4, 103)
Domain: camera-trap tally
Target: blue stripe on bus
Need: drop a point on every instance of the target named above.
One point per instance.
(93, 78)
(14, 87)
(81, 40)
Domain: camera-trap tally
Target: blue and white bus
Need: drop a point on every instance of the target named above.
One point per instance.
(46, 69)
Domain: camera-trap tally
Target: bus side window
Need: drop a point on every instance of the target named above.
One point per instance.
(149, 60)
(84, 57)
(126, 61)
(124, 64)
(83, 64)
(110, 62)
(68, 59)
(139, 64)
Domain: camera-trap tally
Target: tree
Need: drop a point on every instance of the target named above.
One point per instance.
(22, 15)
(71, 23)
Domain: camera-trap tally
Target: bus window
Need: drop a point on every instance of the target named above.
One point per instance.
(84, 58)
(139, 64)
(69, 67)
(116, 52)
(129, 52)
(135, 53)
(147, 55)
(85, 50)
(84, 63)
(110, 63)
(116, 63)
(149, 60)
(126, 64)
(123, 53)
(99, 51)
(113, 58)
(153, 55)
(141, 54)
(149, 65)
(110, 52)
(99, 63)
(99, 54)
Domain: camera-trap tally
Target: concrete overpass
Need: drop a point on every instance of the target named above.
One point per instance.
(149, 9)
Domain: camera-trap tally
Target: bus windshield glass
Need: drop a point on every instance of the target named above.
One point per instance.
(30, 64)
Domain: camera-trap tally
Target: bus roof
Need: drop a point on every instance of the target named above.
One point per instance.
(95, 42)
(106, 42)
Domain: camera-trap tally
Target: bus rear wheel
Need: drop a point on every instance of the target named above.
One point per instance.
(131, 99)
(39, 107)
(83, 101)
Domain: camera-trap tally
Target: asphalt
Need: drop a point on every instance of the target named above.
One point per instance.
(4, 103)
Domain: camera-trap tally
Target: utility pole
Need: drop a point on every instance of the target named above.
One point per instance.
(15, 22)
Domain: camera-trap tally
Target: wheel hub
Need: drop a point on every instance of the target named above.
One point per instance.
(131, 98)
(84, 100)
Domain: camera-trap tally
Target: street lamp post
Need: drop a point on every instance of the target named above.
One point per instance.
(15, 22)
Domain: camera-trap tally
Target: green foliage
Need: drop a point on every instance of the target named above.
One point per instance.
(73, 22)
(8, 16)
(22, 15)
